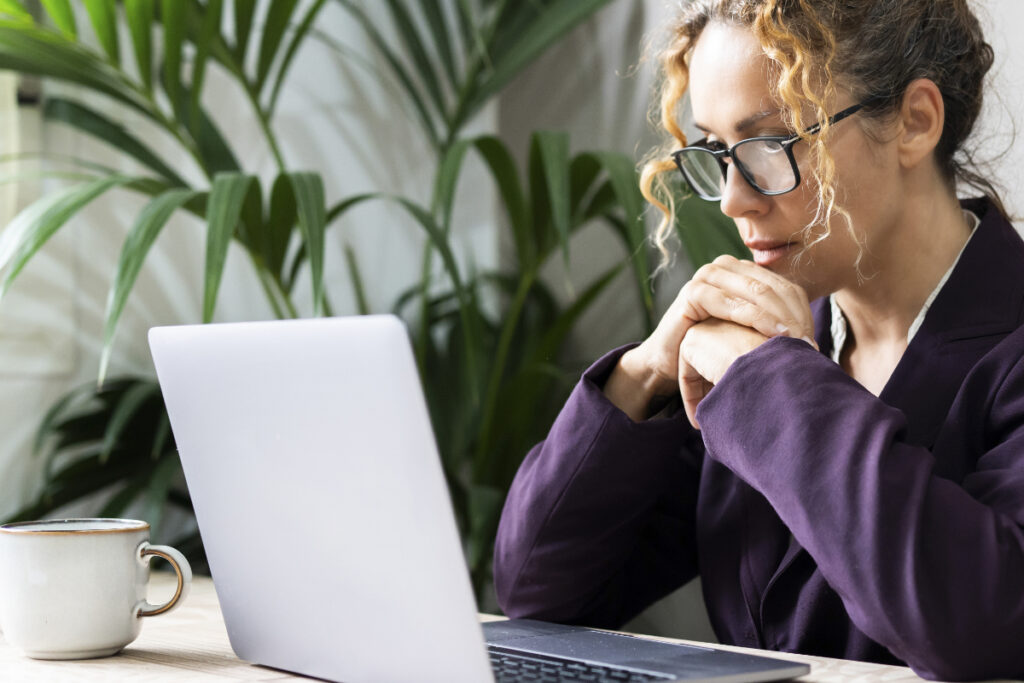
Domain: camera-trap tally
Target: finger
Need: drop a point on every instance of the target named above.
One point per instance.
(782, 299)
(744, 285)
(713, 294)
(692, 387)
(793, 295)
(709, 301)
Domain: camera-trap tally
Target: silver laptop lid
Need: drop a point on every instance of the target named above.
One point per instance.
(326, 520)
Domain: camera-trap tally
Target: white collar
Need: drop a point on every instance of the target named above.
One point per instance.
(839, 325)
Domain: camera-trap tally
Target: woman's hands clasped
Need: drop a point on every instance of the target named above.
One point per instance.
(744, 306)
(727, 309)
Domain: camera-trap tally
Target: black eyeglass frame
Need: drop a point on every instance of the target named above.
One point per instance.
(784, 141)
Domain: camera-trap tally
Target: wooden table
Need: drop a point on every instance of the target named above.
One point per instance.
(191, 644)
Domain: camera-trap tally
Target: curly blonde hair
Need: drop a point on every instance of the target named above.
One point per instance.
(872, 49)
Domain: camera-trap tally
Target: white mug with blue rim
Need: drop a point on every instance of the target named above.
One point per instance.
(76, 588)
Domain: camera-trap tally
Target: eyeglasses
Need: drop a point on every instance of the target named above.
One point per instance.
(765, 162)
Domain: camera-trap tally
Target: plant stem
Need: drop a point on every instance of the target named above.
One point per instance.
(267, 132)
(424, 289)
(268, 290)
(498, 372)
(168, 124)
(285, 297)
(261, 115)
(276, 294)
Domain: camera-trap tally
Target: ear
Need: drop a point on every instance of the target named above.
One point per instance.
(922, 118)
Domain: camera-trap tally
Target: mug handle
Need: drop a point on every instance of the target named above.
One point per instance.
(181, 568)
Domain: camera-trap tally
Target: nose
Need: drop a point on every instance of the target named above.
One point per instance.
(738, 197)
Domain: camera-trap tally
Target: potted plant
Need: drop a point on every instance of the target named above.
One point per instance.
(493, 378)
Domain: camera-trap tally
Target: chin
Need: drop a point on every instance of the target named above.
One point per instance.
(799, 271)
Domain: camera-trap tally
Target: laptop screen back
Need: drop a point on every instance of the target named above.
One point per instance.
(319, 494)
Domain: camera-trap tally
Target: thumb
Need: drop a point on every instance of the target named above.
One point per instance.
(692, 387)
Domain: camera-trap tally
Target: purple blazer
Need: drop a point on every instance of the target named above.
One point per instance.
(822, 519)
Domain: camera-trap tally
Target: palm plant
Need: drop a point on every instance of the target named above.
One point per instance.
(493, 375)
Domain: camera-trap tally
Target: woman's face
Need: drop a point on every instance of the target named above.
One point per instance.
(731, 100)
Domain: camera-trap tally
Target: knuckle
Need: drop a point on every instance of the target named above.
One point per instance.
(704, 272)
(696, 290)
(756, 287)
(687, 346)
(738, 304)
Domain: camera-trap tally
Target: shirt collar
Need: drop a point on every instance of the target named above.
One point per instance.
(839, 325)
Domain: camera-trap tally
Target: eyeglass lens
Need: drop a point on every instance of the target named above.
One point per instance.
(765, 164)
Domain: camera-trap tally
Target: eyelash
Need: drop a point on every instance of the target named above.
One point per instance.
(714, 145)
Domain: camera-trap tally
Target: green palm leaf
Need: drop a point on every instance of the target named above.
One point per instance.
(400, 72)
(161, 436)
(119, 502)
(214, 152)
(223, 211)
(706, 232)
(130, 403)
(157, 491)
(172, 16)
(312, 215)
(442, 37)
(283, 216)
(557, 332)
(503, 170)
(358, 290)
(517, 42)
(289, 54)
(472, 39)
(92, 122)
(15, 10)
(34, 226)
(484, 507)
(467, 310)
(63, 16)
(553, 151)
(413, 45)
(55, 414)
(133, 254)
(447, 178)
(210, 31)
(139, 15)
(279, 15)
(43, 53)
(252, 230)
(103, 15)
(624, 180)
(245, 10)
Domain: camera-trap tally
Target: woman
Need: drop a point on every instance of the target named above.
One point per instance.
(856, 486)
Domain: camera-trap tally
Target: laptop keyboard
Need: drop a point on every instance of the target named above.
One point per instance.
(511, 666)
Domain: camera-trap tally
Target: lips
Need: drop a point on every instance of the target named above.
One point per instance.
(766, 252)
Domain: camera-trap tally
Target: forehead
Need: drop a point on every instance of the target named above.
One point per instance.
(729, 77)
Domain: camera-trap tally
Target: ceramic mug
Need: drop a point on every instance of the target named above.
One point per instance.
(76, 588)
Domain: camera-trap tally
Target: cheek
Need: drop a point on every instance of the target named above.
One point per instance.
(800, 207)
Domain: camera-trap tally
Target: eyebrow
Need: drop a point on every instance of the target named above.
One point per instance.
(743, 124)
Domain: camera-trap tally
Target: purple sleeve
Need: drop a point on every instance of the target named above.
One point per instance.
(599, 521)
(929, 568)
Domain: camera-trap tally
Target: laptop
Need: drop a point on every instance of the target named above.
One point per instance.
(327, 523)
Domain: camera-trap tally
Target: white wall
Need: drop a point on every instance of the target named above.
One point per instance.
(1002, 129)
